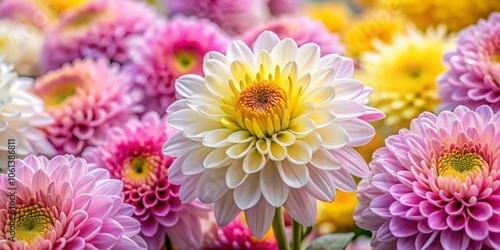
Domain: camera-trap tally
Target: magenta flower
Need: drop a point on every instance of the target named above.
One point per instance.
(473, 75)
(60, 204)
(279, 7)
(235, 235)
(234, 16)
(156, 62)
(132, 154)
(98, 29)
(302, 30)
(85, 99)
(436, 186)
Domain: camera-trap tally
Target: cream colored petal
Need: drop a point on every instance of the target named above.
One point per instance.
(264, 60)
(193, 164)
(299, 153)
(313, 140)
(240, 136)
(235, 175)
(263, 146)
(302, 126)
(323, 77)
(253, 161)
(218, 86)
(215, 67)
(309, 58)
(267, 40)
(333, 136)
(239, 50)
(217, 138)
(273, 188)
(277, 152)
(304, 109)
(217, 159)
(322, 117)
(323, 160)
(188, 85)
(320, 95)
(248, 193)
(239, 150)
(239, 69)
(198, 130)
(212, 185)
(284, 52)
(284, 138)
(294, 175)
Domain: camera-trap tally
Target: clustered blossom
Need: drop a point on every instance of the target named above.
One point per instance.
(21, 114)
(234, 16)
(60, 204)
(100, 29)
(132, 154)
(156, 62)
(302, 30)
(473, 75)
(268, 127)
(436, 185)
(85, 99)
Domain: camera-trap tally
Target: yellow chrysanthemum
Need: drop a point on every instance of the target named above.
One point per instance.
(337, 216)
(456, 15)
(55, 7)
(334, 15)
(374, 25)
(403, 74)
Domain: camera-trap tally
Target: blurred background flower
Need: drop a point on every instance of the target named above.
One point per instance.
(85, 99)
(59, 203)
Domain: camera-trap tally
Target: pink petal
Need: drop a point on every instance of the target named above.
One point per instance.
(260, 217)
(455, 240)
(301, 207)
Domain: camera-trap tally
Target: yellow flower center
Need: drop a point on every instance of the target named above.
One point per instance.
(85, 20)
(460, 164)
(185, 60)
(32, 221)
(58, 94)
(138, 169)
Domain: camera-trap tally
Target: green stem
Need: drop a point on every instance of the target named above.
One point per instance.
(296, 235)
(279, 230)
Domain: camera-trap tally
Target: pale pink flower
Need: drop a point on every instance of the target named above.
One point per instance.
(436, 186)
(60, 204)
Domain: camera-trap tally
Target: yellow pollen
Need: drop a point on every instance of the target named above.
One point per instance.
(185, 60)
(262, 108)
(460, 164)
(57, 95)
(138, 169)
(31, 222)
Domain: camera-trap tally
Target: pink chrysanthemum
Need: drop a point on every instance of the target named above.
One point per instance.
(279, 7)
(473, 76)
(24, 11)
(156, 62)
(234, 16)
(302, 30)
(85, 99)
(132, 153)
(98, 29)
(60, 204)
(235, 235)
(436, 186)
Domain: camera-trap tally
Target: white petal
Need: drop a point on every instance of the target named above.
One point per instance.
(235, 175)
(215, 67)
(324, 160)
(343, 180)
(183, 118)
(188, 85)
(253, 161)
(175, 175)
(217, 56)
(177, 106)
(345, 109)
(322, 181)
(264, 60)
(352, 161)
(323, 77)
(295, 176)
(344, 66)
(225, 209)
(277, 152)
(301, 207)
(267, 40)
(360, 132)
(239, 50)
(199, 130)
(309, 58)
(285, 51)
(333, 136)
(274, 190)
(217, 158)
(218, 86)
(320, 95)
(187, 191)
(178, 144)
(302, 126)
(193, 164)
(240, 136)
(313, 140)
(239, 69)
(211, 185)
(260, 217)
(322, 117)
(347, 89)
(239, 150)
(248, 193)
(299, 153)
(217, 138)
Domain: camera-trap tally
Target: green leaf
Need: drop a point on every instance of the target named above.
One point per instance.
(331, 242)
